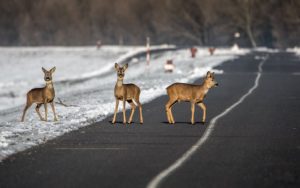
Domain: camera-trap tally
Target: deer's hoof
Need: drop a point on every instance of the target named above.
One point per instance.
(203, 122)
(124, 122)
(55, 119)
(129, 122)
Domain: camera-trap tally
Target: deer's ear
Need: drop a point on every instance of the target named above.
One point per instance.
(125, 66)
(53, 69)
(208, 74)
(44, 70)
(213, 74)
(116, 66)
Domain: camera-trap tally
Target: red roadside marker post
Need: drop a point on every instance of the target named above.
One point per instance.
(148, 51)
(211, 50)
(193, 52)
(169, 66)
(99, 43)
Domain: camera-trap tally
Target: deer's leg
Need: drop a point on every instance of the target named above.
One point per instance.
(25, 109)
(116, 109)
(53, 110)
(137, 100)
(124, 111)
(168, 112)
(171, 114)
(132, 109)
(169, 105)
(37, 109)
(46, 110)
(203, 107)
(193, 112)
(168, 117)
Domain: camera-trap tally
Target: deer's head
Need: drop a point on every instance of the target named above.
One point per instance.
(210, 80)
(121, 70)
(48, 74)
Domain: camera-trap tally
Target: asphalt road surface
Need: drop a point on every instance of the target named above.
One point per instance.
(255, 143)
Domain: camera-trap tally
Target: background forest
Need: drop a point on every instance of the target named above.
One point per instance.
(271, 23)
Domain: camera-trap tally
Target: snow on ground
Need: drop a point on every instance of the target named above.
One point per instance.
(265, 49)
(295, 50)
(91, 96)
(21, 67)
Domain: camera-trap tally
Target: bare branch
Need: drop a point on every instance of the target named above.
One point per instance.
(63, 104)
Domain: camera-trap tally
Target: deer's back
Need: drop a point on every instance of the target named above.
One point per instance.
(130, 90)
(38, 95)
(183, 91)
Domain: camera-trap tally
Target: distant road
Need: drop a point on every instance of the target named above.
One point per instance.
(254, 142)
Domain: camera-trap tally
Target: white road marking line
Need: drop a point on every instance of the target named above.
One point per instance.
(187, 155)
(91, 148)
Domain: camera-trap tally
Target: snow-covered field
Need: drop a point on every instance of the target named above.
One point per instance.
(295, 50)
(84, 79)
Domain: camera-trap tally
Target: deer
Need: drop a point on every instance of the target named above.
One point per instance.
(192, 93)
(126, 93)
(42, 96)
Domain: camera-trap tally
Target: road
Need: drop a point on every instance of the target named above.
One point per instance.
(256, 143)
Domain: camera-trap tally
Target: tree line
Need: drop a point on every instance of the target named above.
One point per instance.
(272, 23)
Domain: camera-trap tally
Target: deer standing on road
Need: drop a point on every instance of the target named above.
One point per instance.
(191, 93)
(126, 92)
(42, 96)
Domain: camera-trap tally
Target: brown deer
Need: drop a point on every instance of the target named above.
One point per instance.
(126, 92)
(191, 93)
(42, 96)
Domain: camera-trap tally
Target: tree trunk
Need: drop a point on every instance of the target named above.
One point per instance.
(250, 35)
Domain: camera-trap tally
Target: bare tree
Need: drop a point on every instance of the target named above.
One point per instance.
(202, 22)
(286, 23)
(243, 15)
(181, 19)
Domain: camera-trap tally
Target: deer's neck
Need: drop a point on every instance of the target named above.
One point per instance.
(205, 87)
(49, 85)
(119, 82)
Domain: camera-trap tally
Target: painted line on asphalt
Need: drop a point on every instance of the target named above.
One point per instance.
(156, 181)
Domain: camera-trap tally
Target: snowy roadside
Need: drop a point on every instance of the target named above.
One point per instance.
(295, 50)
(93, 100)
(21, 67)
